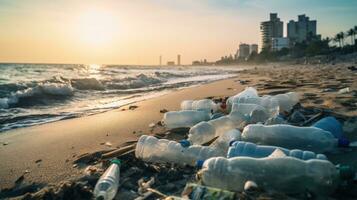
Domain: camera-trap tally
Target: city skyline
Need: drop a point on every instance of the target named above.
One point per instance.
(135, 32)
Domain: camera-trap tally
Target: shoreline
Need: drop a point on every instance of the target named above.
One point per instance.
(58, 143)
(45, 153)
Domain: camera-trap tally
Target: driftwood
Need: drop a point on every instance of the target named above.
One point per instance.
(118, 152)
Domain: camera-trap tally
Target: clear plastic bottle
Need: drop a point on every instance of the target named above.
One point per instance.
(186, 105)
(184, 118)
(107, 185)
(240, 148)
(206, 131)
(151, 149)
(206, 105)
(274, 104)
(286, 101)
(290, 137)
(284, 174)
(223, 142)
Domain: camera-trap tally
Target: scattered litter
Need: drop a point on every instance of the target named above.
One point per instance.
(152, 125)
(38, 161)
(163, 111)
(133, 107)
(344, 90)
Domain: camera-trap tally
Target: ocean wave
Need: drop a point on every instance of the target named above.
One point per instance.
(87, 84)
(138, 81)
(38, 94)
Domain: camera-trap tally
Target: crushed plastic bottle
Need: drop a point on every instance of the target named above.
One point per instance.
(206, 131)
(274, 104)
(185, 118)
(286, 101)
(268, 102)
(284, 174)
(291, 137)
(151, 149)
(240, 148)
(223, 142)
(107, 185)
(206, 105)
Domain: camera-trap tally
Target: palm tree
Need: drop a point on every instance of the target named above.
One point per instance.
(342, 37)
(337, 38)
(351, 34)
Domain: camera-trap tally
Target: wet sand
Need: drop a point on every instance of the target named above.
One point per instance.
(45, 153)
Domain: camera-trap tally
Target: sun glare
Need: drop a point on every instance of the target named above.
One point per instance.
(97, 27)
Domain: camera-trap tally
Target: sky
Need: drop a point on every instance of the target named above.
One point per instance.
(137, 32)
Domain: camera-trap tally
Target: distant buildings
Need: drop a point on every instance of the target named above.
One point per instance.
(243, 50)
(299, 31)
(160, 60)
(253, 48)
(271, 29)
(170, 63)
(178, 59)
(278, 44)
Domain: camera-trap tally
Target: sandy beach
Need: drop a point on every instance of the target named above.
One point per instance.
(45, 153)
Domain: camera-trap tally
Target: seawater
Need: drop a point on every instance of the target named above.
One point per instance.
(32, 94)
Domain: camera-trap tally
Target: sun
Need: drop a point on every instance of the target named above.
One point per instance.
(97, 27)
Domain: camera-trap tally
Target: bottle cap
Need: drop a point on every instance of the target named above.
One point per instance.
(185, 143)
(346, 172)
(343, 142)
(116, 161)
(199, 163)
(232, 142)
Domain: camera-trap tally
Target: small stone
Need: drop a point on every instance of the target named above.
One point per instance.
(163, 111)
(152, 125)
(38, 161)
(250, 186)
(108, 144)
(133, 107)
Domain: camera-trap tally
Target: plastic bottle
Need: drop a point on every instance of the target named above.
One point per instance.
(203, 105)
(248, 92)
(284, 174)
(186, 105)
(223, 142)
(291, 137)
(240, 148)
(107, 185)
(151, 149)
(332, 125)
(268, 102)
(286, 101)
(206, 131)
(185, 118)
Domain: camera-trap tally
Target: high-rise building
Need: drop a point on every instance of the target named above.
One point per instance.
(243, 50)
(299, 31)
(271, 29)
(160, 60)
(178, 59)
(278, 44)
(253, 48)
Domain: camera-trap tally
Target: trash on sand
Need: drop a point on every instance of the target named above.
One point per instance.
(197, 192)
(107, 185)
(151, 149)
(285, 174)
(344, 90)
(184, 118)
(292, 137)
(240, 148)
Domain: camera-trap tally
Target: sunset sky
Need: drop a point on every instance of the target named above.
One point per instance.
(137, 32)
